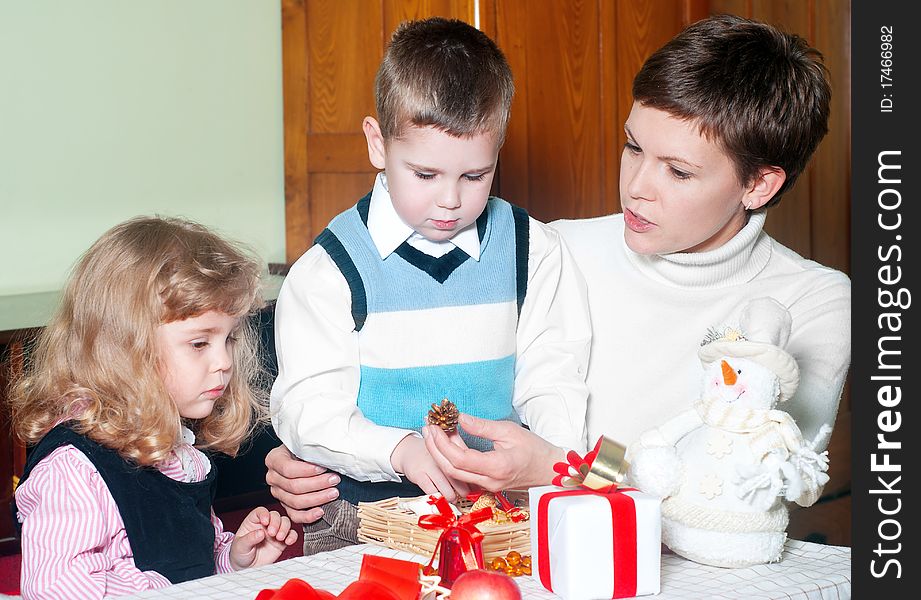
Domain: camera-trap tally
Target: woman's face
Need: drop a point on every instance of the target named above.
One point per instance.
(678, 190)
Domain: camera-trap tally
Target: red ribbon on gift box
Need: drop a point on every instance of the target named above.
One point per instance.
(623, 518)
(468, 538)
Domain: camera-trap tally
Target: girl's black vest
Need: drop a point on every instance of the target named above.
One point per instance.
(168, 523)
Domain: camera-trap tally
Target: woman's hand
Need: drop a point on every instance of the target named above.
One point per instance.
(300, 486)
(262, 537)
(519, 458)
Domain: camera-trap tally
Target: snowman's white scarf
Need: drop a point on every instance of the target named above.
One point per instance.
(770, 429)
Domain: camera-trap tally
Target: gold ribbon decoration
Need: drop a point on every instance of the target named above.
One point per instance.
(602, 469)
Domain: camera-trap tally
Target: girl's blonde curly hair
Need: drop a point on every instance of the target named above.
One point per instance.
(96, 365)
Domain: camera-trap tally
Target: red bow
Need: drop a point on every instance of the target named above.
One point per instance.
(469, 536)
(572, 474)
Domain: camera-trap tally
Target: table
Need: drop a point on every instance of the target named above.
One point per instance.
(807, 572)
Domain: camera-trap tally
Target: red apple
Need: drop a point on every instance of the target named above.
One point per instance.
(485, 585)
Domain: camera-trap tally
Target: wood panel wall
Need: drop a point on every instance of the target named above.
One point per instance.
(573, 62)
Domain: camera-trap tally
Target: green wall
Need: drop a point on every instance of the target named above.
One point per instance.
(115, 108)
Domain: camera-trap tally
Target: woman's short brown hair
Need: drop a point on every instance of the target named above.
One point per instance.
(96, 364)
(762, 94)
(443, 73)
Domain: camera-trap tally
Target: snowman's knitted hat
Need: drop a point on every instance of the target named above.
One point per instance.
(763, 331)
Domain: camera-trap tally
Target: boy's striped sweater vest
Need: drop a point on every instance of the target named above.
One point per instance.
(432, 328)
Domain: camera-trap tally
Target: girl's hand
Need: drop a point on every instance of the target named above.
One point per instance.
(261, 539)
(519, 458)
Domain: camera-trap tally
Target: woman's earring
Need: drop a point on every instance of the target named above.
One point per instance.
(749, 206)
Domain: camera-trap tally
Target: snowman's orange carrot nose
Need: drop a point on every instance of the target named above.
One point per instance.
(729, 375)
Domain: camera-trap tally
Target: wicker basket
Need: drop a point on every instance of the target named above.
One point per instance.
(384, 523)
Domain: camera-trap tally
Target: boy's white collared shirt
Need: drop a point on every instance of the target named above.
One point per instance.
(388, 230)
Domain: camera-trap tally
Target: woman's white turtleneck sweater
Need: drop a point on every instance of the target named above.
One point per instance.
(650, 313)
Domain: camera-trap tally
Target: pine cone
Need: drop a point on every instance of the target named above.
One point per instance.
(444, 415)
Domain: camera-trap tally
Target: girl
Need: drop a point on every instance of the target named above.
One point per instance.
(149, 353)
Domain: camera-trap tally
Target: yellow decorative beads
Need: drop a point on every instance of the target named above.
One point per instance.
(513, 565)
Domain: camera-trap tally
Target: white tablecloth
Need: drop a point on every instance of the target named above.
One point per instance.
(808, 571)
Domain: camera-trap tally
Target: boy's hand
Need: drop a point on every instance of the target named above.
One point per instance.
(411, 458)
(261, 538)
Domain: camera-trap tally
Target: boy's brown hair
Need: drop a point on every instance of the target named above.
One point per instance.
(446, 74)
(760, 93)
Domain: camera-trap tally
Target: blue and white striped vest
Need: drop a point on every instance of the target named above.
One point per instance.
(432, 328)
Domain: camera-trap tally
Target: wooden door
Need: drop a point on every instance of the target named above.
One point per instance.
(573, 64)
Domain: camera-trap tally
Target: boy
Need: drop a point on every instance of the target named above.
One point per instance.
(427, 289)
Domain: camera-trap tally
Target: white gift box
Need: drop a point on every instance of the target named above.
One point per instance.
(587, 546)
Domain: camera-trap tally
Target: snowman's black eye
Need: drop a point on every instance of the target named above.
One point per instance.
(739, 371)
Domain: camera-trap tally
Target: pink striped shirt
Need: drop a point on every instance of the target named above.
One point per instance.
(74, 543)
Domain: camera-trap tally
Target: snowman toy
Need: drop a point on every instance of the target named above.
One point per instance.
(725, 467)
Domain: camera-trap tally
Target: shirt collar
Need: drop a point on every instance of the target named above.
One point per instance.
(186, 435)
(388, 230)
